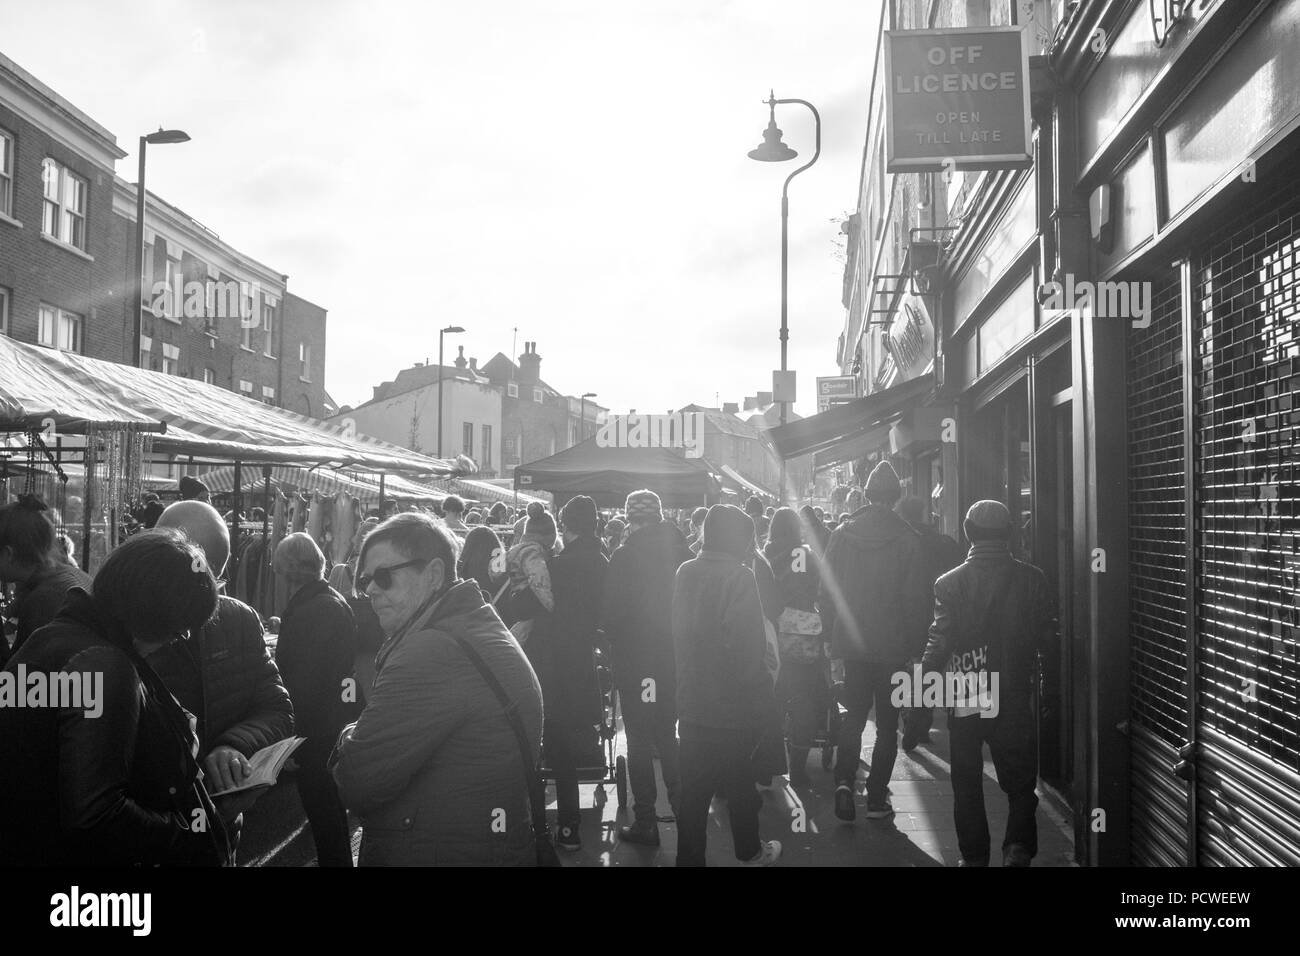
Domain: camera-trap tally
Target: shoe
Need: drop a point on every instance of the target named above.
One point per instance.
(844, 808)
(643, 833)
(973, 863)
(566, 838)
(1017, 854)
(879, 809)
(769, 854)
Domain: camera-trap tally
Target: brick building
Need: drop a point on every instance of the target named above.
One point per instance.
(536, 419)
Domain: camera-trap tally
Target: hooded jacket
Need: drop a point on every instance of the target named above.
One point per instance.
(638, 604)
(120, 788)
(874, 596)
(316, 653)
(433, 763)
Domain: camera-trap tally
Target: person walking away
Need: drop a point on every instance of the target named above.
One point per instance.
(316, 657)
(483, 560)
(876, 601)
(29, 560)
(453, 508)
(813, 530)
(569, 689)
(801, 686)
(433, 766)
(697, 525)
(723, 688)
(222, 673)
(769, 755)
(111, 780)
(637, 618)
(529, 599)
(993, 614)
(754, 508)
(940, 554)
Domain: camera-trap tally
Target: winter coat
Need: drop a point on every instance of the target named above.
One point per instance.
(638, 605)
(432, 766)
(992, 612)
(769, 594)
(316, 654)
(875, 567)
(224, 675)
(719, 641)
(118, 789)
(797, 589)
(561, 648)
(38, 599)
(939, 552)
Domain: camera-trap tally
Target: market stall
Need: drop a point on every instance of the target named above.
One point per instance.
(608, 475)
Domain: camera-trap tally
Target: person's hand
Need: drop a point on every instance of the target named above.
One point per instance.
(236, 803)
(226, 768)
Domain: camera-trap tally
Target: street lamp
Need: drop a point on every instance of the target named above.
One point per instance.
(160, 138)
(772, 150)
(582, 415)
(441, 333)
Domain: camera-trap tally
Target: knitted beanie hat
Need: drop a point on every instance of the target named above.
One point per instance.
(644, 506)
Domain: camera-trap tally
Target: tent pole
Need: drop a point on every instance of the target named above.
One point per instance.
(382, 494)
(267, 600)
(234, 528)
(87, 467)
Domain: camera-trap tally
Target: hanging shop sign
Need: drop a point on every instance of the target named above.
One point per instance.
(957, 99)
(836, 390)
(911, 337)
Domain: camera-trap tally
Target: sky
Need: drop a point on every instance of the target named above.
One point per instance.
(574, 170)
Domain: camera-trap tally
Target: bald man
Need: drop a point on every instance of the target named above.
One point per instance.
(224, 674)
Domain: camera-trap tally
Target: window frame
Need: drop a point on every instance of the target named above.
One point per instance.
(59, 317)
(268, 326)
(6, 296)
(8, 151)
(245, 391)
(512, 390)
(539, 396)
(209, 375)
(146, 350)
(487, 447)
(467, 439)
(268, 394)
(304, 357)
(59, 203)
(170, 362)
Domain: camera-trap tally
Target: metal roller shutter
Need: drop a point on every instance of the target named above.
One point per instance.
(1157, 581)
(1247, 406)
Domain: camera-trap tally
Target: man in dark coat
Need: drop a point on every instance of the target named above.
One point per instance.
(568, 676)
(877, 600)
(316, 654)
(940, 554)
(992, 616)
(638, 624)
(223, 673)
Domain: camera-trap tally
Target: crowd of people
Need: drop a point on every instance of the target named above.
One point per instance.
(431, 673)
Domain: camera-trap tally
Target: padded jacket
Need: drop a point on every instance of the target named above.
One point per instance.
(638, 605)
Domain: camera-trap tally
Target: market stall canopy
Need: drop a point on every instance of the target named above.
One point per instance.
(841, 424)
(750, 487)
(37, 384)
(486, 491)
(608, 475)
(325, 480)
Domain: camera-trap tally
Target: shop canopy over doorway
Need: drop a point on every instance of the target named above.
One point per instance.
(844, 428)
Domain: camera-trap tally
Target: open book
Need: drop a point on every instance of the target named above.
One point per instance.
(266, 765)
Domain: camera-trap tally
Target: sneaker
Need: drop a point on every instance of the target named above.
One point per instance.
(844, 808)
(769, 854)
(643, 833)
(567, 838)
(1017, 854)
(879, 808)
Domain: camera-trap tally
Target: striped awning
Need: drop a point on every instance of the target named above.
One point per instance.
(750, 486)
(38, 384)
(329, 482)
(486, 491)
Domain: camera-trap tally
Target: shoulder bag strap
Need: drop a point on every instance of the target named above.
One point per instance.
(532, 779)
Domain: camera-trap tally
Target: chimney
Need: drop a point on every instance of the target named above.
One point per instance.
(764, 398)
(530, 365)
(473, 365)
(750, 402)
(730, 408)
(460, 358)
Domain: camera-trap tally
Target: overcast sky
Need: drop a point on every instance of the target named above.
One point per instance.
(576, 169)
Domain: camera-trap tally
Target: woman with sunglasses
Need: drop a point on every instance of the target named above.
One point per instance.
(432, 766)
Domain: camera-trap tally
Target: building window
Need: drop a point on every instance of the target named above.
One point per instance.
(146, 348)
(209, 377)
(537, 395)
(304, 356)
(268, 326)
(246, 335)
(6, 173)
(57, 329)
(468, 439)
(512, 389)
(64, 216)
(173, 298)
(246, 386)
(268, 394)
(4, 311)
(487, 447)
(171, 358)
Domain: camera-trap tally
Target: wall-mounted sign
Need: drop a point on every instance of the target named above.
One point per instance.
(910, 337)
(836, 390)
(957, 99)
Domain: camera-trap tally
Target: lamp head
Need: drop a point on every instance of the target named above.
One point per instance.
(453, 328)
(772, 150)
(167, 136)
(589, 395)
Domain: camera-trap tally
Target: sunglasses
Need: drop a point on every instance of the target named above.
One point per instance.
(383, 577)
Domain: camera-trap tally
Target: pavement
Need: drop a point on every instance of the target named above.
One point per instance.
(921, 832)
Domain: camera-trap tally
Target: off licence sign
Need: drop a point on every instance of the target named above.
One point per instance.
(957, 99)
(835, 390)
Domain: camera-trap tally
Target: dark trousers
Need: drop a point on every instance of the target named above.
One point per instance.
(802, 695)
(650, 728)
(867, 685)
(1010, 737)
(562, 758)
(717, 762)
(325, 813)
(769, 756)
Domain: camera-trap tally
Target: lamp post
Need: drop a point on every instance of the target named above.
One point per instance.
(162, 137)
(772, 150)
(582, 415)
(441, 333)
